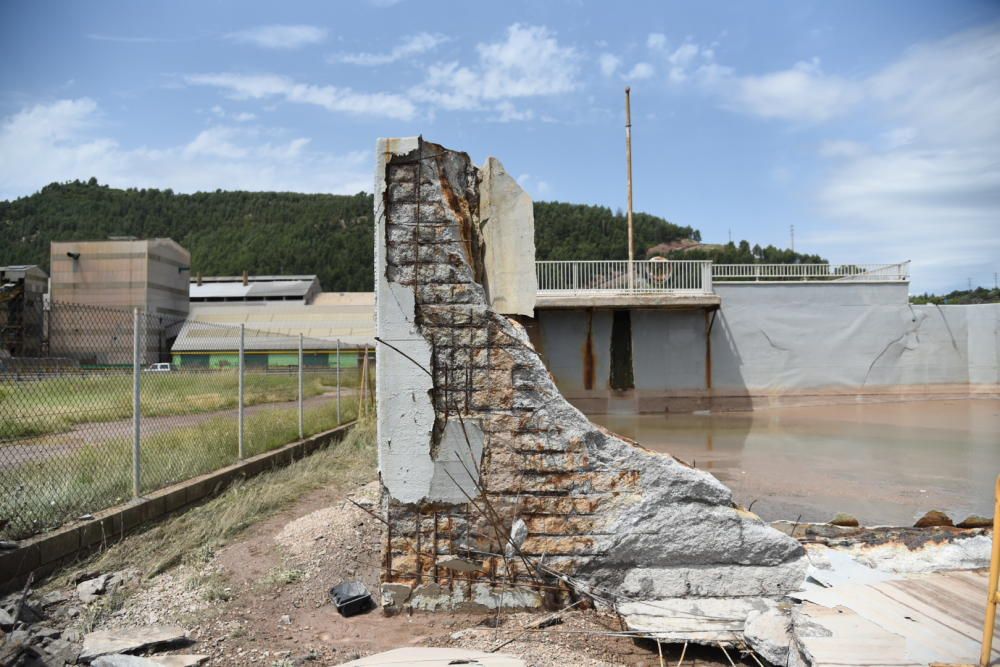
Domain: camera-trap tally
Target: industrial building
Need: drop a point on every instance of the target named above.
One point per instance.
(274, 310)
(22, 294)
(150, 274)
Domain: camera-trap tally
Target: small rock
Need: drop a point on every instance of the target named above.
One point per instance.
(933, 519)
(61, 651)
(6, 619)
(845, 520)
(90, 590)
(976, 521)
(285, 620)
(46, 632)
(395, 595)
(53, 597)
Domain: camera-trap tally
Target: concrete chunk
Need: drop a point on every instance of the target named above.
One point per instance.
(126, 640)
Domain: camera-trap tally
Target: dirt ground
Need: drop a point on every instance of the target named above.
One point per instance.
(263, 600)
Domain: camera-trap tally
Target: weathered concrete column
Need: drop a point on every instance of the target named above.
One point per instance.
(486, 469)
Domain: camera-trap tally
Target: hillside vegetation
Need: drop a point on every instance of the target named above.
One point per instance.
(962, 297)
(291, 233)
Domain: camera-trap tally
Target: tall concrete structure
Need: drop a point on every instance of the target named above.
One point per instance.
(497, 491)
(95, 284)
(150, 274)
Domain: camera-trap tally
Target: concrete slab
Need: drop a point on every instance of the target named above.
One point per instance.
(914, 620)
(549, 301)
(437, 657)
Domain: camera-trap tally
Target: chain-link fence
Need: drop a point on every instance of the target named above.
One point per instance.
(209, 395)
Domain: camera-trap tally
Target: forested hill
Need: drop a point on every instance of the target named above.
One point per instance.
(281, 232)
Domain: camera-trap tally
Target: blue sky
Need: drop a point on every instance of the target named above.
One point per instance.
(873, 127)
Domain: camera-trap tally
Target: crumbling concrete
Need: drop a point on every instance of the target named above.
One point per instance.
(477, 445)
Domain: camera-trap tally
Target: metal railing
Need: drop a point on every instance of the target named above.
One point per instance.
(111, 411)
(680, 277)
(811, 272)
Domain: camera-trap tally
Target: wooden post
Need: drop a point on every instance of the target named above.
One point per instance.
(991, 597)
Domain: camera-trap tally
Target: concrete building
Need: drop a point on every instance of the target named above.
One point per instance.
(150, 274)
(22, 296)
(95, 284)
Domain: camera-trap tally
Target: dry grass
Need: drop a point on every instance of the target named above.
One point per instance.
(31, 408)
(197, 533)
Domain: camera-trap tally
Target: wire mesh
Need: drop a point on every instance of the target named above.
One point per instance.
(67, 423)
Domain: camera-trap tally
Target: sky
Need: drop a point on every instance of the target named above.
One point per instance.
(872, 127)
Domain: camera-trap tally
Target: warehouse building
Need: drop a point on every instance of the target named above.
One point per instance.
(274, 311)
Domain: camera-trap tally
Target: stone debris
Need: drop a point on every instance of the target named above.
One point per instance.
(845, 520)
(769, 633)
(975, 521)
(91, 589)
(933, 519)
(128, 640)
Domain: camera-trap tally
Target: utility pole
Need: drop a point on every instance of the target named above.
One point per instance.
(628, 156)
(793, 238)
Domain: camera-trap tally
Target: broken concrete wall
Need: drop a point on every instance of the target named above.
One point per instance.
(476, 443)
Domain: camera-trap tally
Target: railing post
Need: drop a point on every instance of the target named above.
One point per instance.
(706, 277)
(576, 277)
(239, 411)
(302, 431)
(136, 407)
(338, 382)
(991, 594)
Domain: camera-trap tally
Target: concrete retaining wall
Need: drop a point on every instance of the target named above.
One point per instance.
(779, 341)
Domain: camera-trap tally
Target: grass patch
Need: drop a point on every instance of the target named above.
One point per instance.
(31, 408)
(207, 527)
(43, 494)
(283, 576)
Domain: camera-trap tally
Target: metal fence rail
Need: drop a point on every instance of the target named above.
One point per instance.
(94, 422)
(811, 272)
(681, 277)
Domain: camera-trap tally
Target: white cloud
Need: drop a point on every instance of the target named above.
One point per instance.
(802, 93)
(58, 142)
(413, 45)
(280, 36)
(609, 63)
(656, 41)
(640, 71)
(932, 193)
(331, 98)
(528, 62)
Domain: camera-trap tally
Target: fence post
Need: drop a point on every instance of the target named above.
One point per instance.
(302, 431)
(239, 411)
(338, 382)
(136, 407)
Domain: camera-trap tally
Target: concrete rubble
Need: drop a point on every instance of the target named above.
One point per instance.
(128, 640)
(477, 445)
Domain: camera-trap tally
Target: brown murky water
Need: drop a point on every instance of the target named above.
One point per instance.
(885, 463)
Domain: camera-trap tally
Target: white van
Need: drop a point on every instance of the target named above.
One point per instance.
(160, 368)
